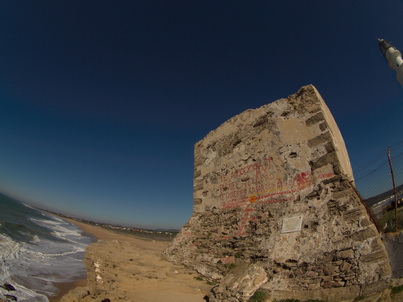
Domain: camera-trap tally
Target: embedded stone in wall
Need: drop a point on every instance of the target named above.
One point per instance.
(275, 208)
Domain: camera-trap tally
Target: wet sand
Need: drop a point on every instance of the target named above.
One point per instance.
(64, 288)
(128, 268)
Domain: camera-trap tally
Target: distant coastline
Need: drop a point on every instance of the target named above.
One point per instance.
(158, 234)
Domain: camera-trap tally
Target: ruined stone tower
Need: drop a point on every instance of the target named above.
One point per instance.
(275, 208)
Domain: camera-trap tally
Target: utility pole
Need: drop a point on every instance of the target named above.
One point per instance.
(394, 188)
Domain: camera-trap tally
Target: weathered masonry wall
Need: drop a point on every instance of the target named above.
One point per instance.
(275, 208)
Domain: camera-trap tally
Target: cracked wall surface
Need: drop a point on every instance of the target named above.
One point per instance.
(275, 207)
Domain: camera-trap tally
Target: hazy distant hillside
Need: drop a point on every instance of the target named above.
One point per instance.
(373, 200)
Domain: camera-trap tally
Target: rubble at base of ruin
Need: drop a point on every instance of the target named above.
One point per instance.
(275, 209)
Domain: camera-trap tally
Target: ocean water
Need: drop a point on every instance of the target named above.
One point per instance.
(37, 250)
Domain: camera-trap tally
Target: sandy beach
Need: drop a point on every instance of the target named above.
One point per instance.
(123, 267)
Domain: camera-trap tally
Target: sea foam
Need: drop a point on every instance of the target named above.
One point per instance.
(37, 251)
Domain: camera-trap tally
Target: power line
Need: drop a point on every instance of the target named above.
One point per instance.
(375, 178)
(379, 156)
(373, 171)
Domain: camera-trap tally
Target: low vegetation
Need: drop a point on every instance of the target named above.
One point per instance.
(258, 296)
(397, 289)
(388, 220)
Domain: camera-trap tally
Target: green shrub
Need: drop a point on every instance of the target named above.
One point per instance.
(258, 296)
(389, 220)
(397, 289)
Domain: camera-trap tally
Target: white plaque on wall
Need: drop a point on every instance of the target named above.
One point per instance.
(292, 224)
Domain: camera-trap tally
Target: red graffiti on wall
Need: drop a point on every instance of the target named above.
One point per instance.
(256, 183)
(304, 179)
(248, 191)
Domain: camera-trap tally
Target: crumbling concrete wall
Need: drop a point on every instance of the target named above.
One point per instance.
(275, 208)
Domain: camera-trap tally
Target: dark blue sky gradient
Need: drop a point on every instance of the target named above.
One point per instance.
(102, 101)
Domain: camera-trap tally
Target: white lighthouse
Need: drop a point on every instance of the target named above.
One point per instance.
(394, 58)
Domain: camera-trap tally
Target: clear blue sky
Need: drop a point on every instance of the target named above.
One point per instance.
(102, 101)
